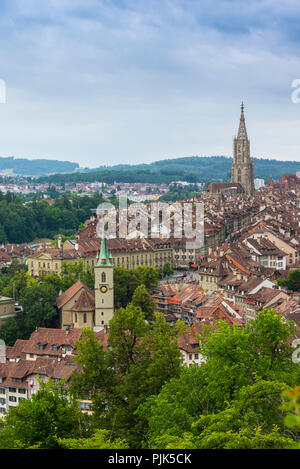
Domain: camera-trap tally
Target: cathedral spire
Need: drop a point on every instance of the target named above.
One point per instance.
(242, 132)
(242, 166)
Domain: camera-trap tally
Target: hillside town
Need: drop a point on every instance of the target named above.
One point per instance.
(250, 246)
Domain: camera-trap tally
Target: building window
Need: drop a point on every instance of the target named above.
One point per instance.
(84, 317)
(239, 175)
(12, 389)
(103, 277)
(12, 399)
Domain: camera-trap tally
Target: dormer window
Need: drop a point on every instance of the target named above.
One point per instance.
(41, 346)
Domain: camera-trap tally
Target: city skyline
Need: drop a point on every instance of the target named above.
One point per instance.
(102, 83)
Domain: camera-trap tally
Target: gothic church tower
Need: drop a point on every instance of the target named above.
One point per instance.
(243, 166)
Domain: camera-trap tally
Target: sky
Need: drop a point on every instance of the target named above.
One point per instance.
(103, 82)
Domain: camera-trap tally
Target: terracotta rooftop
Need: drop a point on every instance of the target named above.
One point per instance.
(68, 294)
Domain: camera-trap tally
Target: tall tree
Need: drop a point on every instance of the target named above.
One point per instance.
(144, 300)
(292, 282)
(139, 360)
(235, 357)
(253, 420)
(39, 422)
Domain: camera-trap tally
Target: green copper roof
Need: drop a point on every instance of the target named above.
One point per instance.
(104, 257)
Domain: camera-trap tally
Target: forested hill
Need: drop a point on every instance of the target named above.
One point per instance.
(191, 169)
(24, 167)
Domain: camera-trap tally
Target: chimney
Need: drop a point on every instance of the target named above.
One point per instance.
(59, 241)
(2, 352)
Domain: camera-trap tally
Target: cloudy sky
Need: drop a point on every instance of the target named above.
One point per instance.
(127, 81)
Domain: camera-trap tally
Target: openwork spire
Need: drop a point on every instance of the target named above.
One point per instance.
(242, 132)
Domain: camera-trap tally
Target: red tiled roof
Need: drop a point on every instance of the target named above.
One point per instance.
(68, 294)
(84, 303)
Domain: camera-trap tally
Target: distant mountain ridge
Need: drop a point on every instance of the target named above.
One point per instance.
(23, 167)
(209, 167)
(191, 169)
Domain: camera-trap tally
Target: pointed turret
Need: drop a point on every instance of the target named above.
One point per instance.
(242, 166)
(242, 132)
(104, 257)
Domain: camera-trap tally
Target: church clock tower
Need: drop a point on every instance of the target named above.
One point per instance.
(243, 166)
(104, 287)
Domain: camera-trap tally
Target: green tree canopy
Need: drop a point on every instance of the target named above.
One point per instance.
(140, 359)
(235, 357)
(144, 300)
(292, 282)
(39, 422)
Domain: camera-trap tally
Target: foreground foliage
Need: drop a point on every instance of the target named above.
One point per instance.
(245, 395)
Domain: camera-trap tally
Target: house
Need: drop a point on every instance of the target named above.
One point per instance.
(188, 344)
(47, 354)
(7, 309)
(76, 306)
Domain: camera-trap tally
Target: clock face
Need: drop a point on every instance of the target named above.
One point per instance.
(103, 289)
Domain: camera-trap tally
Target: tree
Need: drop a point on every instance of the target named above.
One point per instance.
(261, 347)
(100, 440)
(18, 284)
(39, 422)
(95, 374)
(253, 420)
(177, 406)
(292, 282)
(139, 360)
(127, 280)
(144, 300)
(15, 267)
(147, 275)
(235, 357)
(125, 283)
(71, 273)
(10, 331)
(291, 405)
(167, 269)
(39, 309)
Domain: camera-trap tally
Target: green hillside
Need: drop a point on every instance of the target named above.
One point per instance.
(191, 169)
(24, 167)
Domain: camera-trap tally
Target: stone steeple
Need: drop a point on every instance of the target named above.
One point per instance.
(243, 166)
